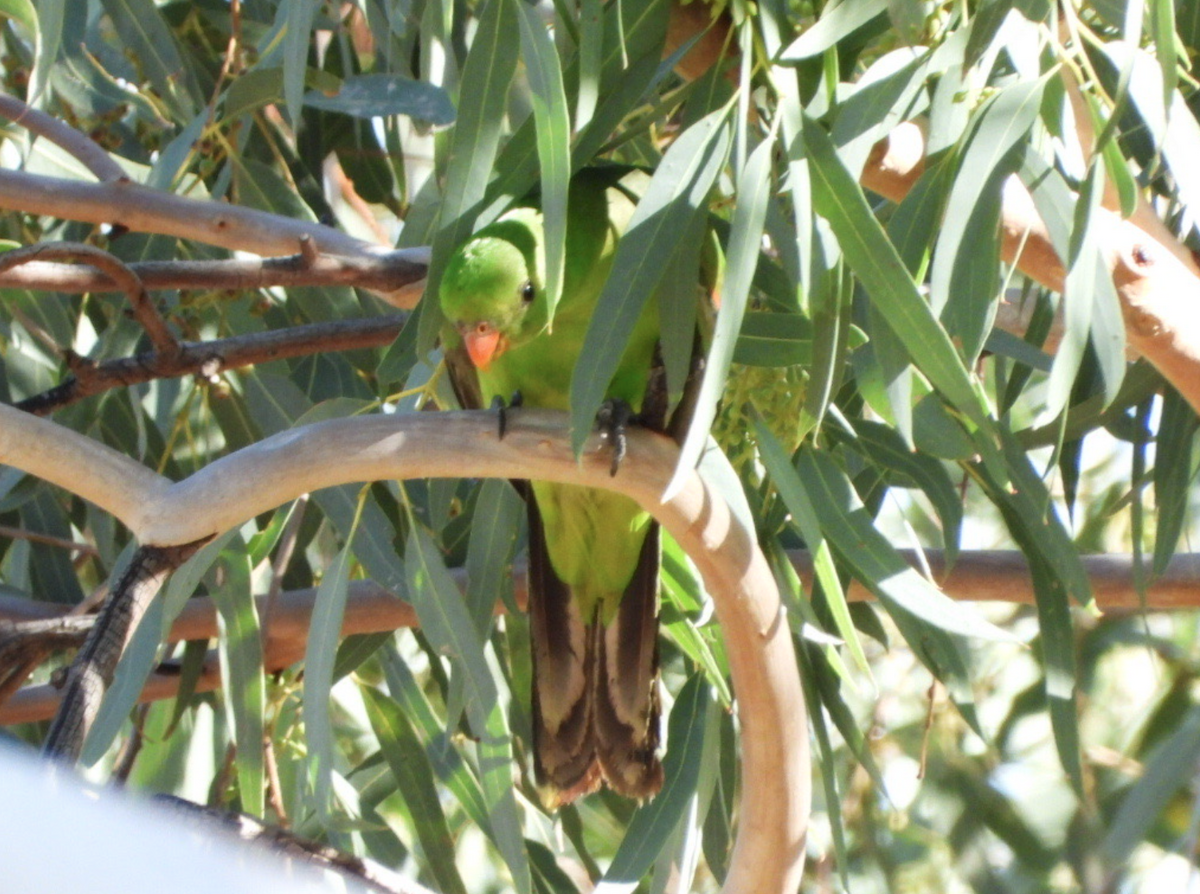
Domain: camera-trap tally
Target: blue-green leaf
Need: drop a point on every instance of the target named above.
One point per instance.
(383, 95)
(320, 652)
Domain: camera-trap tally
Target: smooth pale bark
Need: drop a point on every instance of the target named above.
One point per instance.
(768, 855)
(1157, 278)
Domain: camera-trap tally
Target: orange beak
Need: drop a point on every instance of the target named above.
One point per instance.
(483, 344)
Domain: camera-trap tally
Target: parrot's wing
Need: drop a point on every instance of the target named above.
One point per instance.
(564, 658)
(627, 706)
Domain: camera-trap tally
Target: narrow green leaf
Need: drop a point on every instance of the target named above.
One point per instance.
(1092, 307)
(490, 547)
(965, 277)
(320, 653)
(676, 192)
(297, 19)
(794, 494)
(809, 656)
(774, 339)
(52, 568)
(383, 95)
(447, 763)
(43, 26)
(1172, 475)
(242, 679)
(874, 560)
(891, 91)
(839, 199)
(591, 41)
(23, 12)
(146, 33)
(837, 21)
(1172, 764)
(414, 777)
(745, 244)
(1169, 121)
(482, 109)
(1058, 574)
(448, 626)
(884, 446)
(250, 91)
(1162, 29)
(553, 121)
(985, 25)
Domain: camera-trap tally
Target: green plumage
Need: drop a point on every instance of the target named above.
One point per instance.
(594, 555)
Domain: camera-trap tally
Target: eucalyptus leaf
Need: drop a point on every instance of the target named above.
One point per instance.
(382, 95)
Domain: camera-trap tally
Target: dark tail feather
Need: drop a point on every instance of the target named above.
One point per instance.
(626, 704)
(564, 657)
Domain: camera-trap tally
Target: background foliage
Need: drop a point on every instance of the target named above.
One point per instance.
(854, 377)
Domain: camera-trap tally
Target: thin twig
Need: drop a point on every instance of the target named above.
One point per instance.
(34, 537)
(80, 145)
(115, 269)
(209, 359)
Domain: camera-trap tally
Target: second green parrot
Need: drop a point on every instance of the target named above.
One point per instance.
(593, 555)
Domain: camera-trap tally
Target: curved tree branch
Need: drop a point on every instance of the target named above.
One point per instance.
(1157, 280)
(769, 852)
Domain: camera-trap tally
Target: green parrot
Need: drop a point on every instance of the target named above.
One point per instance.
(593, 555)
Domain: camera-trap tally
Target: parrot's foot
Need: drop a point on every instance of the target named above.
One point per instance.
(502, 409)
(613, 419)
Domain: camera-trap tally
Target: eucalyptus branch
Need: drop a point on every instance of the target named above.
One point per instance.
(384, 272)
(80, 145)
(146, 210)
(210, 358)
(769, 852)
(976, 576)
(1157, 280)
(92, 671)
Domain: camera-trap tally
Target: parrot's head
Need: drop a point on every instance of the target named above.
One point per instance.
(491, 289)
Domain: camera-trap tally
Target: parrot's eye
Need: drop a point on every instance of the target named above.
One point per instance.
(527, 291)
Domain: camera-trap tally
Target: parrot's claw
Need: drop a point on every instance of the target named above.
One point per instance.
(613, 419)
(502, 409)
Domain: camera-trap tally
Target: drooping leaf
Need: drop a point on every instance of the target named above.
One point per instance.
(745, 240)
(414, 776)
(553, 122)
(675, 193)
